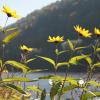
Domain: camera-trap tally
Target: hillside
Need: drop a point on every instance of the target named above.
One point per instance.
(55, 19)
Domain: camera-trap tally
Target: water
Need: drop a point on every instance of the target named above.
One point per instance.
(45, 84)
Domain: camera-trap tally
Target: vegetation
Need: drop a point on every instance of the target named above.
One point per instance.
(55, 19)
(15, 88)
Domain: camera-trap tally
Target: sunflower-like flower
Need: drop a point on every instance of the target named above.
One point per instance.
(25, 48)
(82, 31)
(9, 12)
(57, 39)
(97, 31)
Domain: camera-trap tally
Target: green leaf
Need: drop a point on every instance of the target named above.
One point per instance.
(68, 88)
(86, 96)
(34, 88)
(61, 52)
(72, 81)
(70, 45)
(46, 77)
(10, 29)
(57, 52)
(97, 64)
(21, 79)
(88, 91)
(43, 95)
(36, 70)
(98, 50)
(62, 64)
(0, 63)
(88, 59)
(79, 48)
(48, 60)
(17, 88)
(29, 60)
(53, 77)
(54, 89)
(74, 60)
(16, 64)
(9, 37)
(94, 83)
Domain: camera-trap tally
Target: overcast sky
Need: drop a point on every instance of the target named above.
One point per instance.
(23, 7)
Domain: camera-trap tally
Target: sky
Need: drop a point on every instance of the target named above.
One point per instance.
(23, 7)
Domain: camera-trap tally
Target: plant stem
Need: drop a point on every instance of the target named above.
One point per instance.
(6, 22)
(66, 73)
(59, 96)
(3, 53)
(55, 72)
(24, 85)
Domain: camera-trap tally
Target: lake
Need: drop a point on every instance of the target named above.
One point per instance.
(45, 83)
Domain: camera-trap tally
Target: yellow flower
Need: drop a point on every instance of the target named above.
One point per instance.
(25, 48)
(82, 31)
(97, 31)
(9, 12)
(57, 39)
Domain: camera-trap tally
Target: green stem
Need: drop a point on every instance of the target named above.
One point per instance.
(56, 61)
(6, 22)
(24, 85)
(3, 51)
(66, 74)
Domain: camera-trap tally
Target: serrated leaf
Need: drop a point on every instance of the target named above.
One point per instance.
(48, 60)
(17, 88)
(10, 36)
(43, 95)
(70, 45)
(16, 64)
(34, 88)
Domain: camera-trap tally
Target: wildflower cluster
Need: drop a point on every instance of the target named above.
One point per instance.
(15, 88)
